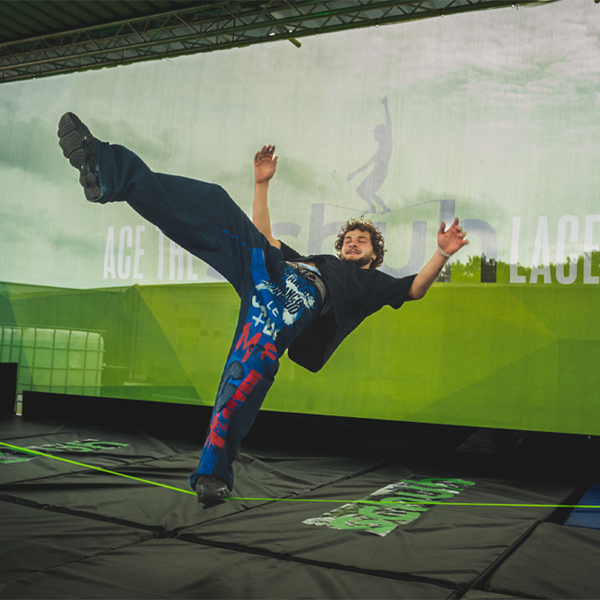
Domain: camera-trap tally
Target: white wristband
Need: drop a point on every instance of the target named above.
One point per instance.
(443, 253)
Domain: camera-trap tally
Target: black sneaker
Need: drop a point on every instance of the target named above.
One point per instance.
(79, 146)
(211, 491)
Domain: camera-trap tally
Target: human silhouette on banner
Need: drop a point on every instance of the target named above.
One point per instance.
(367, 189)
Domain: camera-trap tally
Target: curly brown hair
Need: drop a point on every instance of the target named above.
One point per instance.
(377, 240)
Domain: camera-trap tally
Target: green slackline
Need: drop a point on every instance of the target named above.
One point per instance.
(72, 462)
(427, 502)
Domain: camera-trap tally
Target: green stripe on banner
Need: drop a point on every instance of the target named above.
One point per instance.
(335, 501)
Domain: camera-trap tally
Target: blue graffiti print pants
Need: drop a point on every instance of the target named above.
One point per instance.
(277, 302)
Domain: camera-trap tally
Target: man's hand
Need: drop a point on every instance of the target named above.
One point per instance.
(449, 242)
(264, 164)
(453, 240)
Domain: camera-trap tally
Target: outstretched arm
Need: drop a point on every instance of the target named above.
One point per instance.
(265, 165)
(361, 169)
(449, 242)
(388, 118)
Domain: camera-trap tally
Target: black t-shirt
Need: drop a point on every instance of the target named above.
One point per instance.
(355, 294)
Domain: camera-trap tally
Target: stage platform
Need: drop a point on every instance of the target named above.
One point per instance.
(478, 517)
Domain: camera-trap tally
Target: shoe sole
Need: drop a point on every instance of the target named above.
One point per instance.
(210, 501)
(209, 498)
(73, 135)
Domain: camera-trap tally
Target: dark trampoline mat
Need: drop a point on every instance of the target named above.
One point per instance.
(556, 561)
(168, 568)
(449, 545)
(73, 532)
(36, 540)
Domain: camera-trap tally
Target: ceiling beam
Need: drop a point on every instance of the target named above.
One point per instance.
(212, 26)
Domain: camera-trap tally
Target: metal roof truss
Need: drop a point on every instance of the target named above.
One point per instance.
(211, 26)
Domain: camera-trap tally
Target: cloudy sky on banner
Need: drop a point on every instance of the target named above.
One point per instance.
(497, 109)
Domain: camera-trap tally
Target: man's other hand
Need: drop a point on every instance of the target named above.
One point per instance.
(265, 164)
(453, 240)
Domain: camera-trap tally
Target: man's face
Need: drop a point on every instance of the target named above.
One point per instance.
(358, 249)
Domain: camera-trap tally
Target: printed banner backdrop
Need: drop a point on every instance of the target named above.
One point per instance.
(490, 116)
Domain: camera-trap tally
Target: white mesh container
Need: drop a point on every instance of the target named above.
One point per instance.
(54, 360)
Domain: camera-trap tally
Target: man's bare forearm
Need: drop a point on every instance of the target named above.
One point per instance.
(260, 212)
(449, 241)
(427, 276)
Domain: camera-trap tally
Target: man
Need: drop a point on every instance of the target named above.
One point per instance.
(305, 304)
